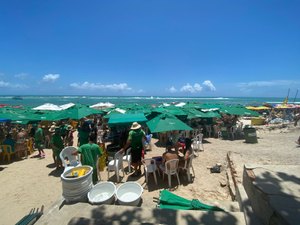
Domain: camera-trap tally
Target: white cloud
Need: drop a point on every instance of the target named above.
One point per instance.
(97, 86)
(51, 77)
(21, 76)
(172, 89)
(209, 85)
(271, 83)
(4, 84)
(192, 89)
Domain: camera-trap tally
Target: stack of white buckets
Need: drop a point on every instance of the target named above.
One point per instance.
(76, 188)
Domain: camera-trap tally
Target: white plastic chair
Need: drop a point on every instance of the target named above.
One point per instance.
(127, 158)
(197, 144)
(150, 167)
(188, 164)
(170, 168)
(116, 165)
(69, 160)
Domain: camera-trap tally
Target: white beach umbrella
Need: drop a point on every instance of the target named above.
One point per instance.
(48, 106)
(102, 105)
(66, 106)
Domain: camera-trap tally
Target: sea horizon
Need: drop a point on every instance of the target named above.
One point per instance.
(36, 100)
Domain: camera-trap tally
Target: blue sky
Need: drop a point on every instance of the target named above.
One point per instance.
(199, 48)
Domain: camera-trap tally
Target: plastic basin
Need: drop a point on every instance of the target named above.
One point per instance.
(129, 193)
(102, 193)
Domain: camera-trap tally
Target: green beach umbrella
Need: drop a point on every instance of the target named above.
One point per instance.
(126, 119)
(168, 200)
(78, 112)
(166, 122)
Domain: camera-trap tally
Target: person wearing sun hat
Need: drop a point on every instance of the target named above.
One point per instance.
(135, 139)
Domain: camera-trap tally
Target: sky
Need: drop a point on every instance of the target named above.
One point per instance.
(217, 48)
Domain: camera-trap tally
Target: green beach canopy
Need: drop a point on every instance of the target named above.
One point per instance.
(238, 110)
(166, 122)
(168, 200)
(126, 119)
(78, 112)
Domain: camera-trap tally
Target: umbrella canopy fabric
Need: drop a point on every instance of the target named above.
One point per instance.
(166, 122)
(126, 119)
(78, 112)
(168, 200)
(48, 106)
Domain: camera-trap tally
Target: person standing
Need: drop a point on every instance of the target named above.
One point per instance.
(57, 145)
(90, 153)
(39, 140)
(136, 138)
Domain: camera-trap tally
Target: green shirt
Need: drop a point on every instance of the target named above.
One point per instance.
(136, 138)
(90, 153)
(39, 135)
(57, 141)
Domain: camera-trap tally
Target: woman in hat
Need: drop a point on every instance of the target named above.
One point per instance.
(135, 139)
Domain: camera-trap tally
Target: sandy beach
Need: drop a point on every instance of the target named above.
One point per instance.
(33, 182)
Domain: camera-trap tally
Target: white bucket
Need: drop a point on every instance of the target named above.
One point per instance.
(102, 193)
(129, 193)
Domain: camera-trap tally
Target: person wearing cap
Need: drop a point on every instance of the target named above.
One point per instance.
(136, 138)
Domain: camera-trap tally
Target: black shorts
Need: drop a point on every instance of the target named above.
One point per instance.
(136, 154)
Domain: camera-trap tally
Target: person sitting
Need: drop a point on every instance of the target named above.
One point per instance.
(9, 141)
(187, 151)
(169, 154)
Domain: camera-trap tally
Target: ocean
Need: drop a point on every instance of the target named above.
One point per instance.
(34, 101)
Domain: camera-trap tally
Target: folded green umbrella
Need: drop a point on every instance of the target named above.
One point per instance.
(168, 200)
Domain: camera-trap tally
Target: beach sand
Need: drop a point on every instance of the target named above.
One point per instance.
(33, 182)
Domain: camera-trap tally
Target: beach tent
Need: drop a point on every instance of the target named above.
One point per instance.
(166, 122)
(126, 119)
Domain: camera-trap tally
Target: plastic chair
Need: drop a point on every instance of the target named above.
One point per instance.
(69, 160)
(116, 164)
(150, 167)
(7, 152)
(197, 144)
(170, 168)
(127, 158)
(188, 164)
